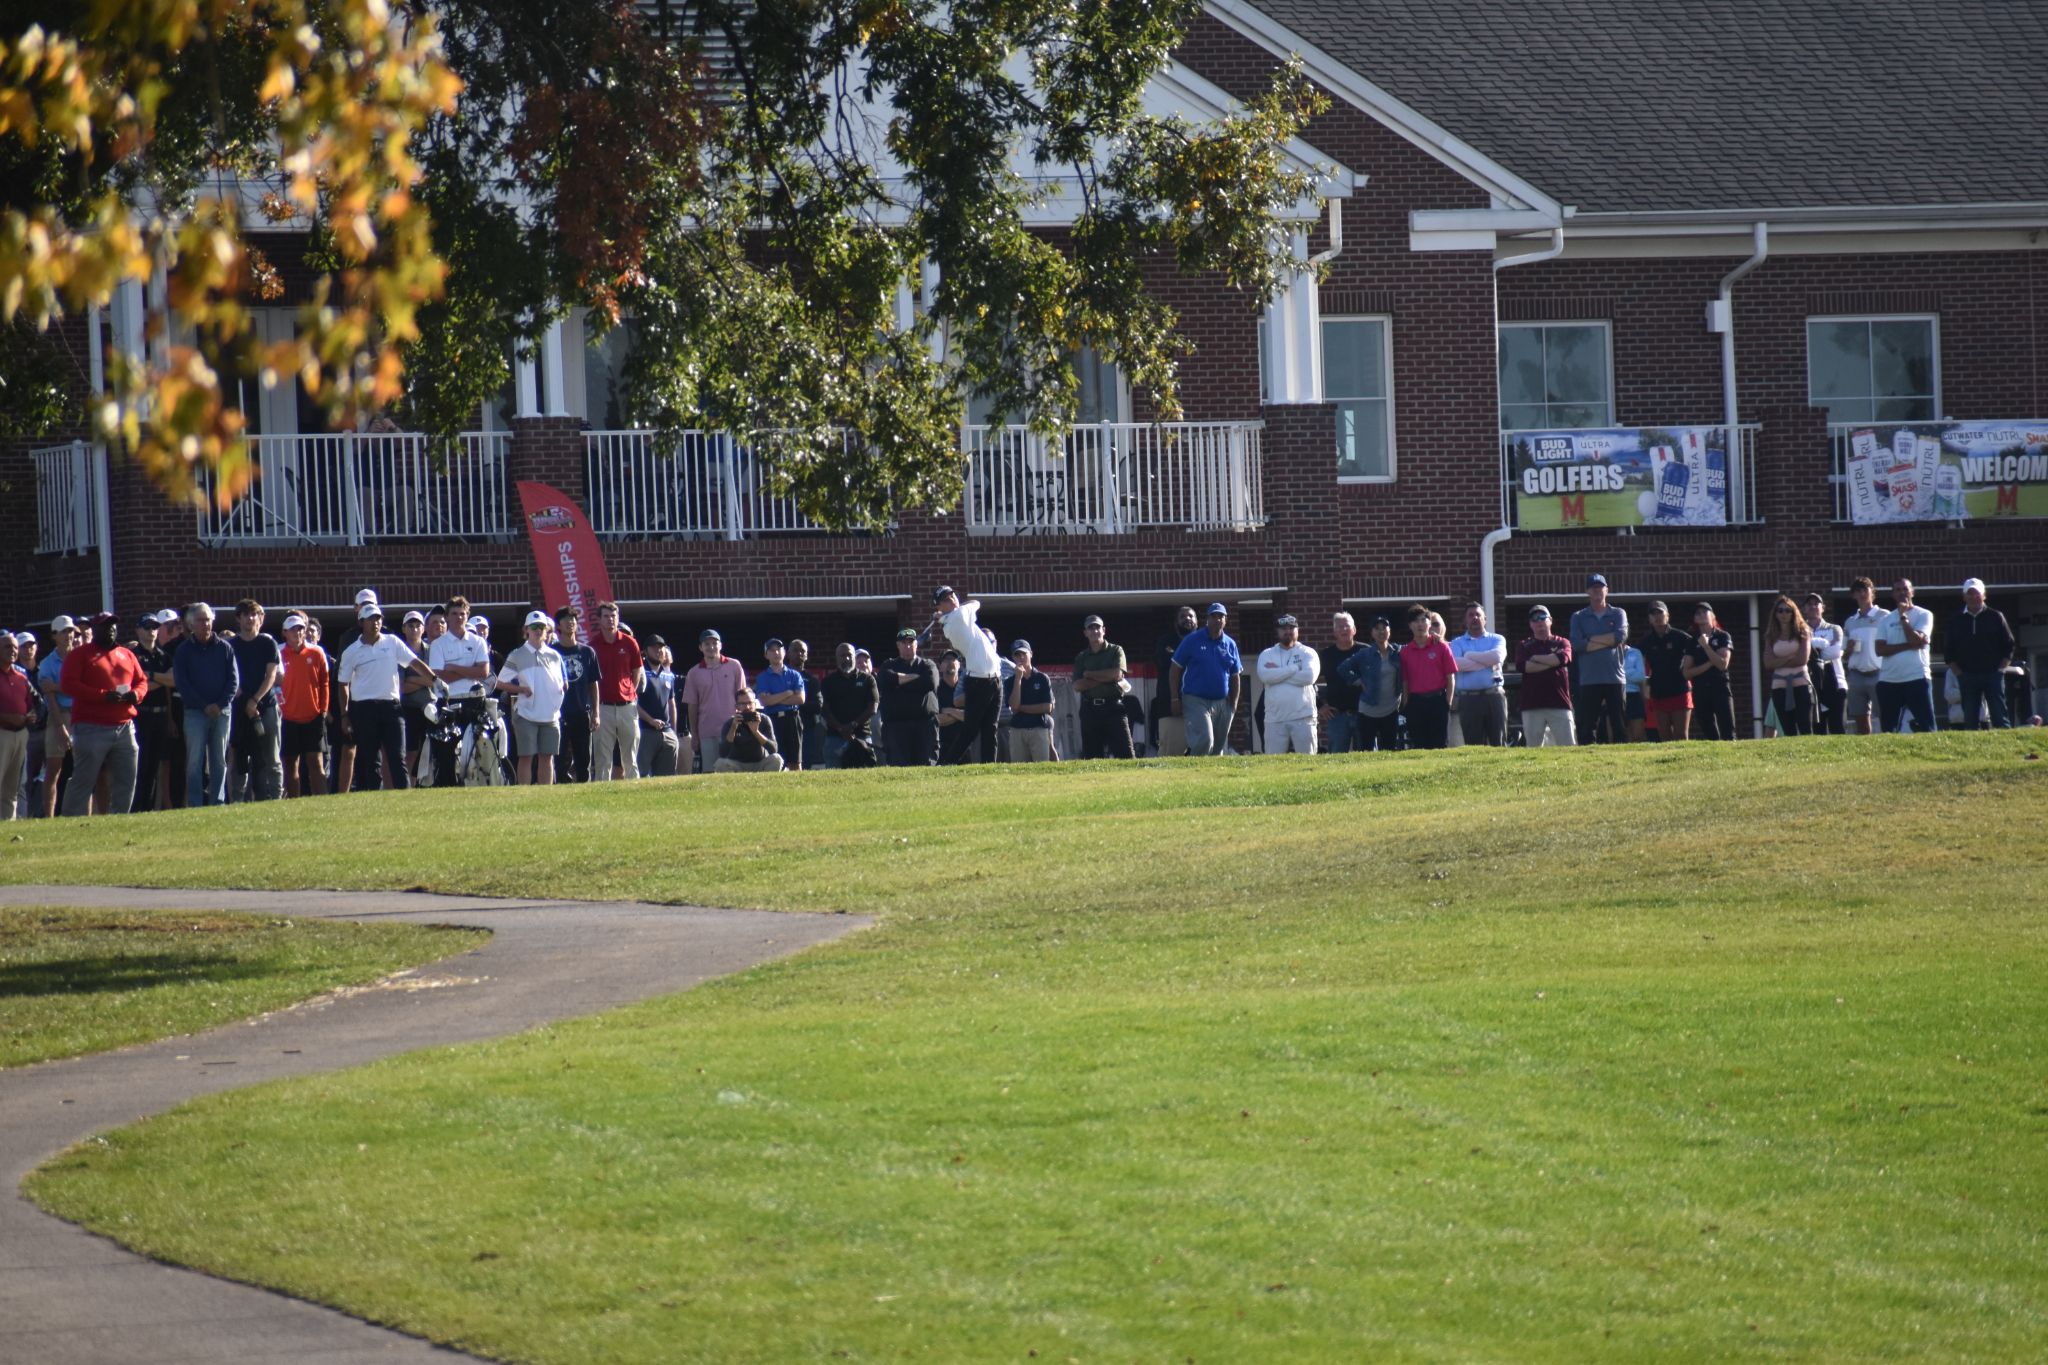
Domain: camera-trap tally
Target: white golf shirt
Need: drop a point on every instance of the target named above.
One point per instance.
(370, 672)
(460, 651)
(1289, 673)
(975, 646)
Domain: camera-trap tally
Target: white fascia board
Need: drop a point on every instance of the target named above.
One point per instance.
(1468, 239)
(1193, 94)
(1489, 220)
(1812, 218)
(1407, 122)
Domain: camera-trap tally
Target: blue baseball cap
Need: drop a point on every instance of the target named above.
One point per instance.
(1218, 609)
(1020, 647)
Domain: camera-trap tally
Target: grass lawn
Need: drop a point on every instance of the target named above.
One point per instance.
(1734, 1051)
(79, 981)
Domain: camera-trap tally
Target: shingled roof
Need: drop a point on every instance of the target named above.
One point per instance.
(1649, 105)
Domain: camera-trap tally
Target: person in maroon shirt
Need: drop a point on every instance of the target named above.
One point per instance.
(106, 683)
(1545, 663)
(17, 710)
(618, 697)
(1429, 683)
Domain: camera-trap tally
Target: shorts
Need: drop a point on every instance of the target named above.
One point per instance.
(1668, 706)
(303, 737)
(534, 738)
(55, 742)
(334, 739)
(1632, 709)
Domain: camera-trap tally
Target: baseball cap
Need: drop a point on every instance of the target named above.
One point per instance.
(294, 620)
(24, 637)
(411, 617)
(1218, 609)
(1813, 597)
(1285, 621)
(907, 633)
(941, 593)
(537, 618)
(1539, 612)
(654, 642)
(1660, 608)
(1969, 583)
(1022, 646)
(772, 642)
(1596, 580)
(368, 609)
(1086, 621)
(479, 619)
(366, 595)
(166, 616)
(102, 618)
(1379, 621)
(707, 634)
(60, 622)
(146, 621)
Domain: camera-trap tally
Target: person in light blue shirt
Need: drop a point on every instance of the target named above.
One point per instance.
(1599, 634)
(1207, 674)
(1482, 692)
(781, 691)
(1633, 671)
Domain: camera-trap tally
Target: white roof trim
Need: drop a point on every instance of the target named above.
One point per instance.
(1337, 181)
(1327, 71)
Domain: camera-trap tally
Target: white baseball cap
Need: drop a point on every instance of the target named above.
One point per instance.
(413, 616)
(538, 618)
(62, 623)
(166, 616)
(1973, 583)
(24, 637)
(369, 609)
(293, 620)
(366, 595)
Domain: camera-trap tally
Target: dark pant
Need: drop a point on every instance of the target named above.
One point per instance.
(152, 735)
(1795, 709)
(1602, 715)
(1483, 717)
(1915, 698)
(1982, 688)
(1829, 707)
(1379, 732)
(255, 746)
(379, 735)
(984, 705)
(573, 763)
(789, 737)
(1429, 720)
(1105, 729)
(912, 742)
(1713, 718)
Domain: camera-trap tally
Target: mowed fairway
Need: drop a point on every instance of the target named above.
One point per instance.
(1694, 1052)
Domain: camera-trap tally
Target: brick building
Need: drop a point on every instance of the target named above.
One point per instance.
(1530, 215)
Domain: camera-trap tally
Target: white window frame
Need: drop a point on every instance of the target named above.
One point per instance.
(1386, 321)
(1933, 320)
(1606, 325)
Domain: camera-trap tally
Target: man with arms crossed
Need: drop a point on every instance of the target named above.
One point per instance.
(1859, 654)
(1545, 661)
(1599, 633)
(1288, 670)
(1482, 687)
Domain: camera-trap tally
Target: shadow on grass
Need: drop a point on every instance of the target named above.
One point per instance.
(93, 975)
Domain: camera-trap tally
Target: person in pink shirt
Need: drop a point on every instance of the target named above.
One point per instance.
(1429, 683)
(711, 690)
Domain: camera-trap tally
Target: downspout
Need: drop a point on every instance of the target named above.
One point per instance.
(103, 517)
(1722, 320)
(1504, 532)
(1336, 235)
(1756, 672)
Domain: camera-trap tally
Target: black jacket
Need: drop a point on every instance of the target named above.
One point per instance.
(1980, 643)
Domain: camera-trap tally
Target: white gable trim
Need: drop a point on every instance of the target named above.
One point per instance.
(1510, 190)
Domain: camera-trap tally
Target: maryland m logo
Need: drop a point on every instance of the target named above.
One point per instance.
(2007, 502)
(1571, 509)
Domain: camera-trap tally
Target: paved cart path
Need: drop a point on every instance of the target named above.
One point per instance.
(67, 1295)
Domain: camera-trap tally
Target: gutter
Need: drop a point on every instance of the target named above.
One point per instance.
(1493, 539)
(1721, 318)
(103, 517)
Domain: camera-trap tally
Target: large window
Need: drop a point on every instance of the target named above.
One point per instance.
(1555, 375)
(1358, 379)
(1873, 369)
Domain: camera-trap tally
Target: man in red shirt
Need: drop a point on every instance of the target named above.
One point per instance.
(1429, 684)
(17, 709)
(106, 683)
(618, 697)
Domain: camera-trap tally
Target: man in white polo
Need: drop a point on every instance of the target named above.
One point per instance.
(1288, 670)
(366, 681)
(1905, 682)
(1860, 657)
(961, 623)
(462, 660)
(533, 674)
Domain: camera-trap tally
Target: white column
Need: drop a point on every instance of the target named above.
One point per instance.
(525, 385)
(551, 348)
(1293, 324)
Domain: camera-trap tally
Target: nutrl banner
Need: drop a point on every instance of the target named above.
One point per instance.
(572, 570)
(1947, 471)
(1619, 476)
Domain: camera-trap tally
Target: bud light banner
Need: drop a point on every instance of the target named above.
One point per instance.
(1947, 471)
(1619, 476)
(572, 572)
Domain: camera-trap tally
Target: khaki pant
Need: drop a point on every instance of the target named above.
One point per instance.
(770, 764)
(1172, 739)
(1031, 746)
(13, 753)
(617, 736)
(1547, 726)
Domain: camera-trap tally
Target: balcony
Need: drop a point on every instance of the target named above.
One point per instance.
(353, 488)
(1938, 473)
(711, 488)
(1628, 479)
(67, 519)
(1113, 477)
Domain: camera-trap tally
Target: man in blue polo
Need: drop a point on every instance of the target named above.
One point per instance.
(1599, 635)
(1207, 672)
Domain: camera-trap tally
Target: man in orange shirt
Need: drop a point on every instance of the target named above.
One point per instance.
(306, 696)
(106, 684)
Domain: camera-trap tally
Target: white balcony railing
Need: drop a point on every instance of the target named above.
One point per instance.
(1114, 476)
(1741, 481)
(354, 487)
(67, 520)
(712, 488)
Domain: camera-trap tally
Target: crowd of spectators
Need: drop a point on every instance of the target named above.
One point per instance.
(187, 710)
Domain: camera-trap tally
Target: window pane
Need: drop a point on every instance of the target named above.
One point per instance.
(1849, 410)
(1577, 415)
(1577, 370)
(1523, 417)
(1362, 439)
(1521, 366)
(1099, 388)
(1354, 359)
(1902, 359)
(1904, 409)
(1837, 361)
